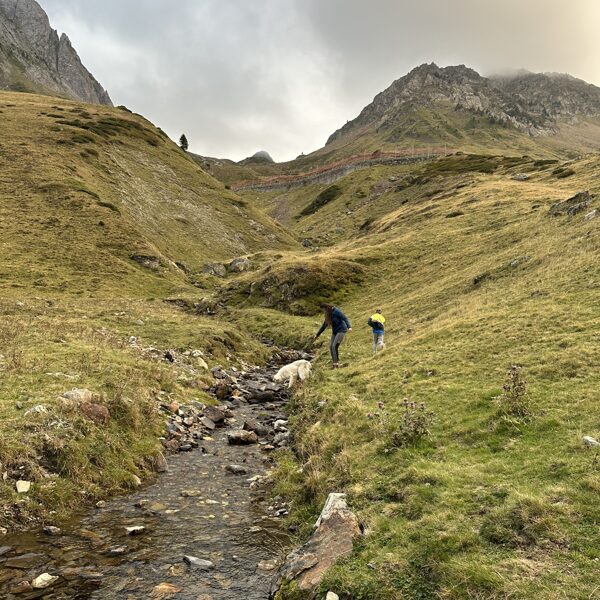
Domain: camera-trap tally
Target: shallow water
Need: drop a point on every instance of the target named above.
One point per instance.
(226, 521)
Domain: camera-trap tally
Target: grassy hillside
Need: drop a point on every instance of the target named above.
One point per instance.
(102, 219)
(92, 194)
(481, 493)
(419, 128)
(354, 204)
(499, 499)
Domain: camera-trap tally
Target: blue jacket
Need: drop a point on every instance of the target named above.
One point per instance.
(339, 322)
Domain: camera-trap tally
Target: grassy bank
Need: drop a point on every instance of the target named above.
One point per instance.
(494, 501)
(51, 347)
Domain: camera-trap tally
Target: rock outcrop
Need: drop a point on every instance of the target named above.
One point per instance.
(33, 58)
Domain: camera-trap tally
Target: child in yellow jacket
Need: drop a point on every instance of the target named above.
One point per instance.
(377, 324)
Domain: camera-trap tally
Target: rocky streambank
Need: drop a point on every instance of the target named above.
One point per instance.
(208, 528)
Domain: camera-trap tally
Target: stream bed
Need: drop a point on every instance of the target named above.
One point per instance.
(198, 509)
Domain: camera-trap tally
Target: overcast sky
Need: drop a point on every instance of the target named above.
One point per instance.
(239, 76)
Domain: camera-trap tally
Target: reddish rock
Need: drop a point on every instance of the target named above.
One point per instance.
(171, 445)
(222, 391)
(95, 412)
(21, 588)
(173, 407)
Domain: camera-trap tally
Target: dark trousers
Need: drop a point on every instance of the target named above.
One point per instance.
(334, 345)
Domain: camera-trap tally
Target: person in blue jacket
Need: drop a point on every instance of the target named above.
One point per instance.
(340, 326)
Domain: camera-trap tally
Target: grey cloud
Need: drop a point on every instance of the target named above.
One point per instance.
(281, 75)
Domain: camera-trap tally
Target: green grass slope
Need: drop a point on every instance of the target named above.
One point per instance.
(102, 219)
(487, 497)
(87, 189)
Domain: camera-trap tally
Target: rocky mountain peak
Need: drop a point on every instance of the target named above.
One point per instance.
(34, 58)
(531, 102)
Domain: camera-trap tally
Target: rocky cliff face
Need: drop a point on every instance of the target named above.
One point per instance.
(532, 103)
(551, 96)
(34, 58)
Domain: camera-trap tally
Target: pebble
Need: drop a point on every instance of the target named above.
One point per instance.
(177, 570)
(117, 551)
(191, 494)
(50, 530)
(21, 588)
(332, 596)
(240, 437)
(23, 486)
(267, 565)
(280, 425)
(208, 423)
(161, 465)
(101, 504)
(236, 469)
(135, 530)
(165, 590)
(199, 563)
(43, 581)
(590, 441)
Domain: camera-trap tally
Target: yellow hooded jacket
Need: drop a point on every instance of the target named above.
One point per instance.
(377, 322)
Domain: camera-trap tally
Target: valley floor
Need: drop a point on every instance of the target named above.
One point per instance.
(494, 496)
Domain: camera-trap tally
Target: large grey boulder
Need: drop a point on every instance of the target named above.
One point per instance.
(215, 269)
(239, 265)
(333, 539)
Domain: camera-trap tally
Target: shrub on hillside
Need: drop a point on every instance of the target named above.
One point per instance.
(514, 400)
(325, 197)
(412, 426)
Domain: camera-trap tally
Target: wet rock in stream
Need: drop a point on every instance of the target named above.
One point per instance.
(241, 437)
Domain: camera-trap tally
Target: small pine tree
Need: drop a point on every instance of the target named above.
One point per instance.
(183, 143)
